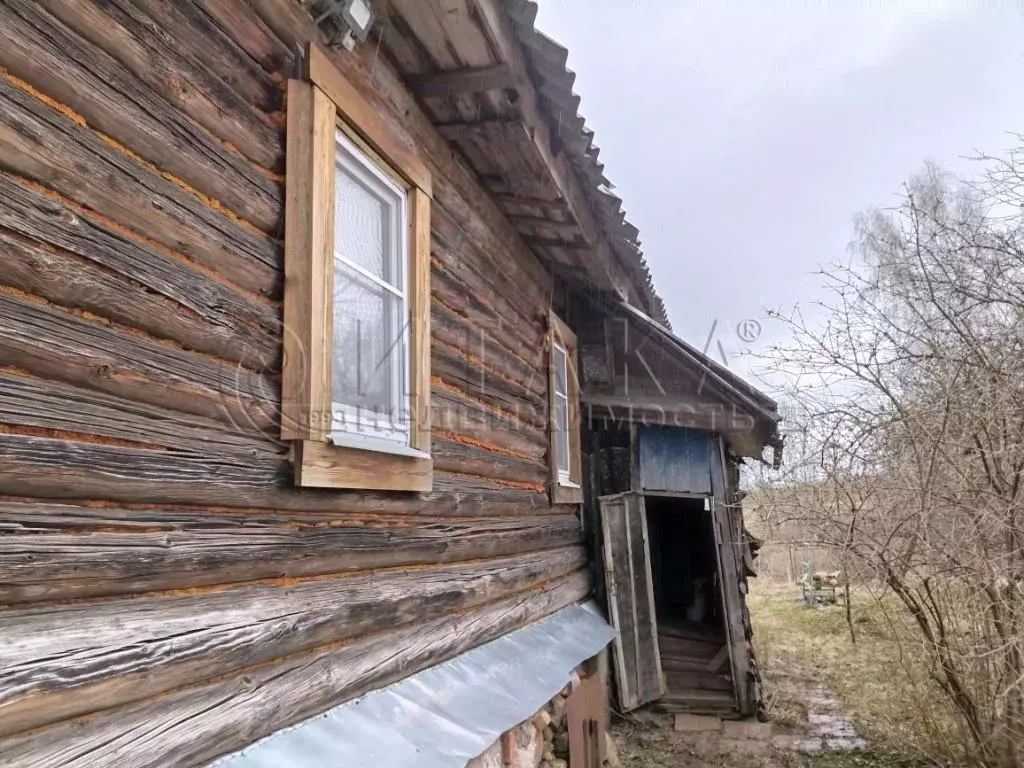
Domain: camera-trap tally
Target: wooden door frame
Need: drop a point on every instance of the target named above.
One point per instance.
(729, 576)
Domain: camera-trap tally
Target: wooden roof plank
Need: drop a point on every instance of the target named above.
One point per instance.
(466, 80)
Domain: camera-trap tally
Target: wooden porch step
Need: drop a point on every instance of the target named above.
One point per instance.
(680, 646)
(682, 683)
(690, 632)
(720, 703)
(695, 664)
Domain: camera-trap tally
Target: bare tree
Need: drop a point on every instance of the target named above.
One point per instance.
(907, 425)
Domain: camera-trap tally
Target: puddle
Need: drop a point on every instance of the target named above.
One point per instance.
(828, 727)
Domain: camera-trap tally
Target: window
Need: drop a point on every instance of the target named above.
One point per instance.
(370, 360)
(564, 415)
(561, 420)
(356, 379)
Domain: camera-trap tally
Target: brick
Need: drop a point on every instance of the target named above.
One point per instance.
(508, 747)
(697, 723)
(747, 729)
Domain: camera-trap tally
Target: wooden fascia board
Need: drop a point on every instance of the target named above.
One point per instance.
(676, 411)
(498, 27)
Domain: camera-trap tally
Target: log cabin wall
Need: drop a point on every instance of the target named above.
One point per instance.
(167, 594)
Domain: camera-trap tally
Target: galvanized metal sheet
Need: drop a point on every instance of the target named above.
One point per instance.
(446, 715)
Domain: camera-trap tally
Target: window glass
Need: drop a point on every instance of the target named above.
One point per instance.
(560, 372)
(363, 341)
(370, 345)
(561, 415)
(360, 222)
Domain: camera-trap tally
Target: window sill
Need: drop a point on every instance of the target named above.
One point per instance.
(375, 445)
(323, 465)
(566, 494)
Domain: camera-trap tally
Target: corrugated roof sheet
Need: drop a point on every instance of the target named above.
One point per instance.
(443, 716)
(554, 81)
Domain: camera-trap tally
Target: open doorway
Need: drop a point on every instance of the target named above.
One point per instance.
(688, 603)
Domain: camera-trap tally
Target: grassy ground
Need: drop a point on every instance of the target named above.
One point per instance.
(878, 685)
(643, 745)
(799, 650)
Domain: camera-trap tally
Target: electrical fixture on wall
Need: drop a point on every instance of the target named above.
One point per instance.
(344, 22)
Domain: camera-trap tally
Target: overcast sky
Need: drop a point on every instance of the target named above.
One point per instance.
(743, 137)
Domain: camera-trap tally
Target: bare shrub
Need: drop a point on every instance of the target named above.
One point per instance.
(906, 437)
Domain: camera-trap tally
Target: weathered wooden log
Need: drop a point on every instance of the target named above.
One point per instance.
(455, 413)
(461, 455)
(156, 58)
(473, 377)
(238, 20)
(68, 660)
(456, 331)
(30, 212)
(73, 282)
(239, 709)
(57, 344)
(64, 469)
(40, 50)
(219, 46)
(46, 146)
(291, 23)
(62, 552)
(517, 274)
(523, 339)
(487, 285)
(50, 405)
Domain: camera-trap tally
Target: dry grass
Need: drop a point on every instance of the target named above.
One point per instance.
(883, 687)
(643, 745)
(799, 649)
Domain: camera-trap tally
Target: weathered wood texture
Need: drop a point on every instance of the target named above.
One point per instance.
(729, 565)
(631, 600)
(174, 596)
(65, 661)
(54, 552)
(101, 91)
(189, 726)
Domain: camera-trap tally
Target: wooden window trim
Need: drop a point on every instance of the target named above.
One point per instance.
(559, 333)
(318, 106)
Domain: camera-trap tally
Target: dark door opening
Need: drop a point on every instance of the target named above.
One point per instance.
(688, 602)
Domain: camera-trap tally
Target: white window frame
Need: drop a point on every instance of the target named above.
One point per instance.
(564, 484)
(562, 361)
(355, 426)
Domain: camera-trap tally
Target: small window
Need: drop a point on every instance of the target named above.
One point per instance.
(370, 361)
(564, 415)
(561, 425)
(356, 378)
